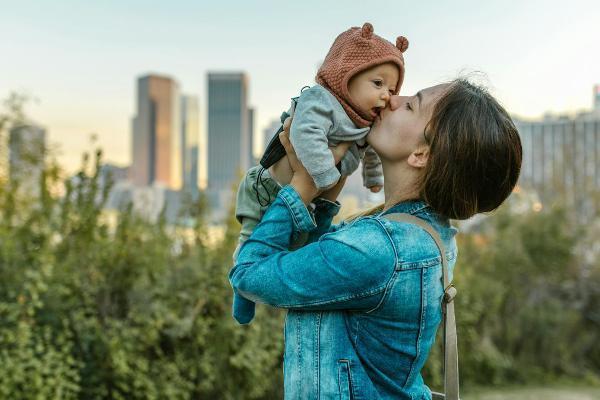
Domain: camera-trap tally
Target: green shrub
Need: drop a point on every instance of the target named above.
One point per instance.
(134, 311)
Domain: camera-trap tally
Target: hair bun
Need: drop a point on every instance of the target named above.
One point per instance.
(401, 43)
(367, 30)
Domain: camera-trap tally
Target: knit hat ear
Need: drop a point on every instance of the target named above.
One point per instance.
(401, 43)
(367, 31)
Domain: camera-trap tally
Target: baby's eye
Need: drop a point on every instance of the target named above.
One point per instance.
(377, 83)
(408, 106)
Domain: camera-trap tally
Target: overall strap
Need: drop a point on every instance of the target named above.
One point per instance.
(450, 343)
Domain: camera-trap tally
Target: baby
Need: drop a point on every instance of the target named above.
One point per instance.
(355, 82)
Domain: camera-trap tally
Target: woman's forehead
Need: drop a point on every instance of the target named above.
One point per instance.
(432, 93)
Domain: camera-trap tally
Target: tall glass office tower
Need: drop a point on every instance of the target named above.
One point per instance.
(251, 135)
(26, 148)
(156, 147)
(229, 142)
(190, 135)
(561, 160)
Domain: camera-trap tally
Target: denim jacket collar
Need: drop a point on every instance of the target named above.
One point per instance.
(408, 207)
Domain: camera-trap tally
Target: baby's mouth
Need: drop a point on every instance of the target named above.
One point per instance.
(375, 112)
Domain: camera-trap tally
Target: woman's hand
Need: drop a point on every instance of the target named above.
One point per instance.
(301, 180)
(332, 193)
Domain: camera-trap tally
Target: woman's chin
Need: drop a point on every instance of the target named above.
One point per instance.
(376, 122)
(369, 138)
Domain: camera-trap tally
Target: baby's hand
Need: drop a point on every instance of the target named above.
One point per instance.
(375, 189)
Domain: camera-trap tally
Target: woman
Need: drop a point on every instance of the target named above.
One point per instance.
(364, 297)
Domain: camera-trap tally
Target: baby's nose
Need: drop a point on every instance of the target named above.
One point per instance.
(395, 102)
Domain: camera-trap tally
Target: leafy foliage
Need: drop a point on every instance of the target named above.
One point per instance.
(91, 309)
(524, 308)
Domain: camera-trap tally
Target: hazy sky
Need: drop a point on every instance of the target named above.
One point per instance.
(81, 58)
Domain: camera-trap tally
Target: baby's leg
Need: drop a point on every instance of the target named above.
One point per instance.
(249, 211)
(281, 171)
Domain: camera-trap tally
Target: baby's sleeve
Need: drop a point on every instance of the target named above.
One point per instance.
(313, 119)
(372, 170)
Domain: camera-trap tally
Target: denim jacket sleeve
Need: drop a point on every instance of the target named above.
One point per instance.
(345, 269)
(323, 214)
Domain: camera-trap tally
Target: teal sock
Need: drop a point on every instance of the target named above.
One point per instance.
(243, 309)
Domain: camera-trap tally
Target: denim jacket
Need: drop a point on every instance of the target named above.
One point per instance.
(363, 298)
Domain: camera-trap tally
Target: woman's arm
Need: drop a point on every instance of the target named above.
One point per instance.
(324, 211)
(346, 269)
(325, 208)
(325, 205)
(349, 268)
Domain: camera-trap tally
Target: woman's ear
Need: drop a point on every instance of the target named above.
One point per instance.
(418, 158)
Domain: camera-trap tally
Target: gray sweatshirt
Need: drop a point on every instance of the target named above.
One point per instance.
(319, 122)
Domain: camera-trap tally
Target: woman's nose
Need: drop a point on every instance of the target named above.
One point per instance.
(385, 96)
(395, 102)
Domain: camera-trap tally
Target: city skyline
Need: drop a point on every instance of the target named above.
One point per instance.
(561, 159)
(229, 142)
(190, 144)
(535, 58)
(26, 144)
(156, 133)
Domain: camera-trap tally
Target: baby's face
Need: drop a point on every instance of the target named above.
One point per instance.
(371, 89)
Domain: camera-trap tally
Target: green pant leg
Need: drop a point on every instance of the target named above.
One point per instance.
(249, 211)
(248, 208)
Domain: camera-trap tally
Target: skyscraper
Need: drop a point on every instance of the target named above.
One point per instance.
(156, 147)
(269, 132)
(229, 143)
(561, 160)
(251, 135)
(190, 135)
(26, 157)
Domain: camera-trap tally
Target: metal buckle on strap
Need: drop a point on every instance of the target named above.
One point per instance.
(449, 293)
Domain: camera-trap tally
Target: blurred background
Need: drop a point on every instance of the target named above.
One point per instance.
(126, 126)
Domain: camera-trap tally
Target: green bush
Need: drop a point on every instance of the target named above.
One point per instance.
(134, 311)
(522, 315)
(92, 312)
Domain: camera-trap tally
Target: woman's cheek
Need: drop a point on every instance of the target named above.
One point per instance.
(372, 135)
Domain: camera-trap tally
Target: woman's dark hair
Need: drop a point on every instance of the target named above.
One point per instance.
(475, 153)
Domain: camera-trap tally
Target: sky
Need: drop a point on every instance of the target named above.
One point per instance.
(81, 59)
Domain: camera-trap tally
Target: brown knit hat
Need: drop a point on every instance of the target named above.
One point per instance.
(354, 51)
